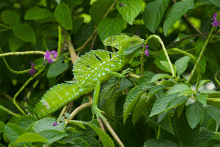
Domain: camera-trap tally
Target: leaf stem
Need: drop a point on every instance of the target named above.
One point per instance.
(5, 26)
(77, 110)
(108, 126)
(165, 52)
(196, 64)
(59, 41)
(22, 53)
(9, 112)
(216, 79)
(25, 84)
(201, 53)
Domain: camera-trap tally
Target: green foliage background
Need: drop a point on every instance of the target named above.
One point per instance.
(157, 106)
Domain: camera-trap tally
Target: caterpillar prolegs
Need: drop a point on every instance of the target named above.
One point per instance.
(57, 97)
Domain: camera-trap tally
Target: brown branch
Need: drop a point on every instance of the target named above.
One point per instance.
(73, 55)
(93, 41)
(83, 46)
(186, 38)
(192, 24)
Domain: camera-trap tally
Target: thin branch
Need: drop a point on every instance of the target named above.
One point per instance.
(11, 99)
(93, 41)
(73, 55)
(8, 111)
(64, 41)
(185, 39)
(113, 133)
(83, 46)
(62, 112)
(192, 24)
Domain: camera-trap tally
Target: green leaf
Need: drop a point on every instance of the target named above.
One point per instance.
(214, 113)
(131, 9)
(167, 66)
(10, 17)
(216, 135)
(77, 24)
(79, 124)
(159, 143)
(14, 44)
(107, 99)
(176, 102)
(36, 13)
(99, 9)
(181, 64)
(47, 124)
(63, 16)
(131, 100)
(193, 114)
(12, 131)
(204, 138)
(110, 27)
(166, 124)
(52, 135)
(30, 137)
(175, 13)
(105, 139)
(24, 32)
(2, 126)
(161, 104)
(145, 101)
(25, 121)
(178, 88)
(202, 82)
(58, 1)
(160, 76)
(57, 68)
(125, 83)
(153, 14)
(215, 2)
(158, 60)
(202, 98)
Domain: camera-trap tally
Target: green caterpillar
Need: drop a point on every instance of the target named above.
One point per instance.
(90, 70)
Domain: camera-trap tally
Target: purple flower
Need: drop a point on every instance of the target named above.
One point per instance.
(146, 52)
(145, 46)
(214, 16)
(32, 71)
(50, 56)
(55, 124)
(216, 23)
(121, 5)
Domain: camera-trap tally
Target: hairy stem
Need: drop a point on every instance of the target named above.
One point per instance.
(25, 84)
(59, 41)
(62, 112)
(201, 53)
(9, 112)
(165, 52)
(22, 53)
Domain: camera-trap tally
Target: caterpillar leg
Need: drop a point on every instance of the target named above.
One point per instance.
(95, 110)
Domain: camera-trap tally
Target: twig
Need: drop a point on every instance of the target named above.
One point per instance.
(73, 55)
(201, 53)
(78, 109)
(28, 81)
(93, 41)
(82, 47)
(62, 112)
(8, 111)
(113, 133)
(192, 24)
(185, 39)
(10, 98)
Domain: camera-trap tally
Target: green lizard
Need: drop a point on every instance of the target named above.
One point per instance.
(90, 70)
